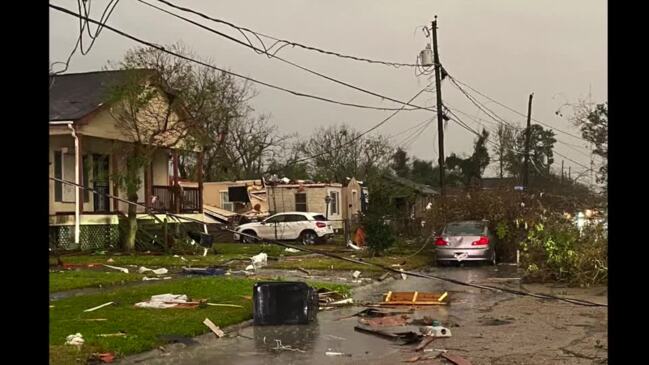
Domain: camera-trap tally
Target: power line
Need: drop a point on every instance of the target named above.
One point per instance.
(409, 129)
(275, 56)
(515, 111)
(283, 42)
(84, 26)
(175, 54)
(458, 120)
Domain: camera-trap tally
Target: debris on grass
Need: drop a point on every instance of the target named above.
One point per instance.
(224, 305)
(118, 334)
(122, 269)
(304, 271)
(160, 271)
(356, 274)
(203, 271)
(214, 328)
(291, 250)
(259, 260)
(98, 307)
(75, 340)
(163, 301)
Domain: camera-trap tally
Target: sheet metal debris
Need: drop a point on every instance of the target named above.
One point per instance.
(163, 301)
(435, 331)
(331, 353)
(160, 271)
(404, 337)
(203, 271)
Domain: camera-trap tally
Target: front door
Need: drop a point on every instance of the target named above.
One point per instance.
(100, 178)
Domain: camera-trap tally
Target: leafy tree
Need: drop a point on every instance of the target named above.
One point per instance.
(471, 168)
(340, 151)
(400, 163)
(504, 142)
(422, 172)
(541, 156)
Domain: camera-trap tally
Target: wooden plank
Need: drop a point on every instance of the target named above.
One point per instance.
(409, 302)
(414, 297)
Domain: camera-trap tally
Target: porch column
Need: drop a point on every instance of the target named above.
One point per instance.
(199, 178)
(114, 168)
(78, 192)
(176, 190)
(148, 184)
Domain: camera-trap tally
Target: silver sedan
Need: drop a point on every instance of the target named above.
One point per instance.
(466, 241)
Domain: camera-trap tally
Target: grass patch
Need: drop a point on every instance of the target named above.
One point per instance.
(326, 263)
(74, 279)
(143, 326)
(221, 253)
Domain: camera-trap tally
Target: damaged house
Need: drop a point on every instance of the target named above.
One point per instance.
(235, 200)
(85, 146)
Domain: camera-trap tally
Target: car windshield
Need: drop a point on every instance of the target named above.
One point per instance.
(319, 217)
(465, 229)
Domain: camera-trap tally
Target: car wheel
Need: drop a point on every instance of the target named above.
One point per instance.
(246, 239)
(308, 238)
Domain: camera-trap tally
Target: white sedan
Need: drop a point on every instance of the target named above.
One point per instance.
(306, 227)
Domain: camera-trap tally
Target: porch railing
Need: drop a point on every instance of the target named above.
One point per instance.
(166, 198)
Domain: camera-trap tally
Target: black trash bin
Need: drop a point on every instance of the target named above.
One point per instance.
(284, 303)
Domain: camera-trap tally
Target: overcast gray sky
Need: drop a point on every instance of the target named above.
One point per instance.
(503, 48)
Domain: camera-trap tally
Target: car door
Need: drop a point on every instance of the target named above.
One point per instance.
(299, 223)
(272, 227)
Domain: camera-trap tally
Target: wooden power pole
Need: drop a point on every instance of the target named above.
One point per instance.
(526, 166)
(440, 114)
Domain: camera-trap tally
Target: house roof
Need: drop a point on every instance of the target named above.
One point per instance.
(421, 188)
(75, 95)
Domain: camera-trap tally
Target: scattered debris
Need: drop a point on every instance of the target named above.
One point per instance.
(436, 350)
(356, 274)
(122, 269)
(258, 261)
(304, 271)
(403, 275)
(280, 347)
(292, 250)
(76, 340)
(414, 298)
(250, 268)
(98, 307)
(413, 359)
(203, 271)
(336, 338)
(389, 321)
(353, 246)
(155, 278)
(160, 271)
(425, 342)
(215, 329)
(106, 357)
(118, 334)
(77, 266)
(330, 353)
(110, 261)
(95, 319)
(405, 337)
(224, 305)
(332, 298)
(162, 301)
(277, 303)
(435, 331)
(455, 359)
(384, 276)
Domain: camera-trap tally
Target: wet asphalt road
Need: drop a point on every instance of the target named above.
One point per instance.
(488, 328)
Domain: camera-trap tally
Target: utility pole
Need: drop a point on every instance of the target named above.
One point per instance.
(569, 177)
(562, 171)
(526, 172)
(440, 114)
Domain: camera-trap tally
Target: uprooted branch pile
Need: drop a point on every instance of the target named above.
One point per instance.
(541, 227)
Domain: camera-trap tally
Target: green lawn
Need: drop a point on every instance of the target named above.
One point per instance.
(221, 252)
(143, 326)
(326, 263)
(74, 279)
